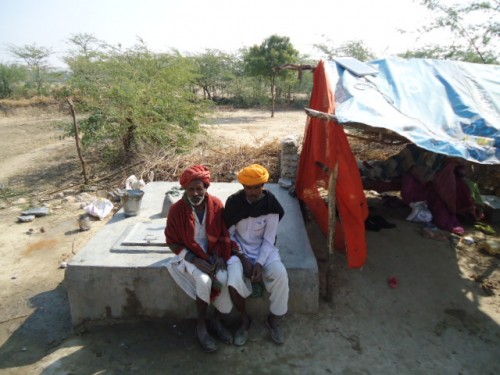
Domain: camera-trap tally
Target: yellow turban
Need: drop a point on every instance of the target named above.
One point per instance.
(255, 174)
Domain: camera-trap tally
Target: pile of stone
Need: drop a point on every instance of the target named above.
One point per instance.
(289, 160)
(29, 215)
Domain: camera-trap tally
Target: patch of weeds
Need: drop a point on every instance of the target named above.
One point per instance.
(7, 193)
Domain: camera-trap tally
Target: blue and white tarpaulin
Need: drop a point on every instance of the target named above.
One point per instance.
(448, 107)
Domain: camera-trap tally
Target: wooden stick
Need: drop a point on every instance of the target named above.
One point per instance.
(321, 115)
(395, 143)
(78, 139)
(295, 67)
(380, 134)
(332, 184)
(98, 180)
(14, 318)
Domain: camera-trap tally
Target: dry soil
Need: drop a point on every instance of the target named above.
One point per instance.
(443, 317)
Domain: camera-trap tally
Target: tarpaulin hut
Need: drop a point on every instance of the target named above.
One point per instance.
(447, 107)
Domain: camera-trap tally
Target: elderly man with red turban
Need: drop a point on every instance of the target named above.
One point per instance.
(197, 234)
(252, 215)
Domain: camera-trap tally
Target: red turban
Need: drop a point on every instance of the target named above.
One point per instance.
(196, 172)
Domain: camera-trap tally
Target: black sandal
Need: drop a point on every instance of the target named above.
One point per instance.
(206, 341)
(276, 332)
(220, 331)
(241, 334)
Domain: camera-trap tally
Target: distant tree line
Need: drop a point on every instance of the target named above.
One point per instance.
(135, 98)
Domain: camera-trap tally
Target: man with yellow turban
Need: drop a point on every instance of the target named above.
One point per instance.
(197, 234)
(252, 216)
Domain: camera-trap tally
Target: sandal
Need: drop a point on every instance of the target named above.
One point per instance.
(241, 335)
(276, 332)
(220, 331)
(206, 341)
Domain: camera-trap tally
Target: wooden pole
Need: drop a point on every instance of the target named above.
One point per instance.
(78, 139)
(332, 203)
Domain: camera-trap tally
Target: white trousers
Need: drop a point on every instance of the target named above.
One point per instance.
(275, 280)
(198, 284)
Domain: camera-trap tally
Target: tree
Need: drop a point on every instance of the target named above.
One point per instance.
(442, 53)
(135, 98)
(475, 28)
(354, 48)
(262, 61)
(10, 77)
(87, 45)
(215, 72)
(36, 59)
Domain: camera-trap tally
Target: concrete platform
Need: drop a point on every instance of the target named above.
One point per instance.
(121, 273)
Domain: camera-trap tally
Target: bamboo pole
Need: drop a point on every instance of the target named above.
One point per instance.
(332, 203)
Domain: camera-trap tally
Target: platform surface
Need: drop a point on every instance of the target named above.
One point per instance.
(121, 273)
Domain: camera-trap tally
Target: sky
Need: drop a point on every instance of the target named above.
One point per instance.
(191, 26)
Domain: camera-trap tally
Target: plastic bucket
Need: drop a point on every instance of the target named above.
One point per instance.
(131, 201)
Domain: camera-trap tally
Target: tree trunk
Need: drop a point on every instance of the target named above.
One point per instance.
(128, 140)
(273, 96)
(78, 138)
(38, 79)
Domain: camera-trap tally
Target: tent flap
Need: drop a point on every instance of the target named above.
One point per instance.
(325, 145)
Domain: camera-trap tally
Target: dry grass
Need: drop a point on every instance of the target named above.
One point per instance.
(223, 159)
(36, 101)
(373, 150)
(224, 163)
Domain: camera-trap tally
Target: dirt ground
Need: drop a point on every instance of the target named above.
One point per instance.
(443, 317)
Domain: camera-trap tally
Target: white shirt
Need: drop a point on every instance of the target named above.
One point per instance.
(256, 237)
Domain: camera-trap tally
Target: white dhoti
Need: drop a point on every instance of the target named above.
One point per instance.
(275, 280)
(198, 284)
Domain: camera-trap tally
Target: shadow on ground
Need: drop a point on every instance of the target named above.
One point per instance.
(434, 322)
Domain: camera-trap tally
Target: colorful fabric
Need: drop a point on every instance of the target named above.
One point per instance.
(453, 190)
(238, 208)
(448, 196)
(254, 174)
(412, 190)
(196, 172)
(181, 223)
(325, 149)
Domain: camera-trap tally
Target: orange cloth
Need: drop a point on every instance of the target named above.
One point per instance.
(325, 146)
(254, 174)
(196, 172)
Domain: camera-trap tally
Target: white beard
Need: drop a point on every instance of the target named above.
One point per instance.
(195, 204)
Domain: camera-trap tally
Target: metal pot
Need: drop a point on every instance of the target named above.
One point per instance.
(131, 201)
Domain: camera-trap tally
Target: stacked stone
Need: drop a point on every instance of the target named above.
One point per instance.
(289, 160)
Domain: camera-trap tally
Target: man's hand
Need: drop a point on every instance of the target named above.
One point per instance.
(217, 263)
(247, 267)
(203, 265)
(257, 273)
